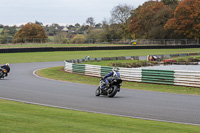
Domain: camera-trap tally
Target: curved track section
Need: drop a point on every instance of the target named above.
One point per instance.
(22, 85)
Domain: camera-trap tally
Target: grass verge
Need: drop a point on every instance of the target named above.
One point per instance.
(58, 74)
(26, 118)
(21, 118)
(66, 55)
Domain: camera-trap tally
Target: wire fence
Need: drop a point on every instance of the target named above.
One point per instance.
(169, 41)
(103, 41)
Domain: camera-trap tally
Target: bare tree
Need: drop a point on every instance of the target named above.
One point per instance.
(90, 21)
(121, 13)
(120, 19)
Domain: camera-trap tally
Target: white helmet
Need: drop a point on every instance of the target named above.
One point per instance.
(115, 69)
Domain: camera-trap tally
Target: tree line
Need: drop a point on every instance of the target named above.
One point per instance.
(165, 19)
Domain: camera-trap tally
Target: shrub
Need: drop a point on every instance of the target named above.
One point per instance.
(65, 41)
(180, 60)
(78, 39)
(130, 65)
(192, 59)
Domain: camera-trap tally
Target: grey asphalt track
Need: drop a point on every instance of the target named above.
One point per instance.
(22, 85)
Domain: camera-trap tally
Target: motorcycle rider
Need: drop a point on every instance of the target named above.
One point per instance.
(109, 77)
(7, 67)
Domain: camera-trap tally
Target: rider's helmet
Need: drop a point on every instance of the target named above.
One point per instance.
(7, 67)
(115, 69)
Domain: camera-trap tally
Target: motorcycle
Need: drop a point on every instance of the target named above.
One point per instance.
(111, 90)
(4, 70)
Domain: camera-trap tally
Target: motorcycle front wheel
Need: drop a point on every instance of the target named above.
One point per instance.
(98, 91)
(1, 74)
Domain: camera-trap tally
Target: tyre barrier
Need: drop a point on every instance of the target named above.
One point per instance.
(50, 49)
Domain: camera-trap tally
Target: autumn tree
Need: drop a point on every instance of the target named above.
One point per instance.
(172, 3)
(186, 20)
(31, 32)
(149, 19)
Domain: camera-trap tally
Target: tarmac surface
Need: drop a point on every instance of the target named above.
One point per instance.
(23, 86)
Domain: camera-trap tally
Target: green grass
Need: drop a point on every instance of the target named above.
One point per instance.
(66, 55)
(120, 63)
(58, 74)
(197, 57)
(108, 62)
(26, 118)
(51, 38)
(22, 118)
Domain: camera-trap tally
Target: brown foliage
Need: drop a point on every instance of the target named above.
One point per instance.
(149, 20)
(30, 32)
(186, 21)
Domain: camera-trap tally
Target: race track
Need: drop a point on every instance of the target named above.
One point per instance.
(22, 85)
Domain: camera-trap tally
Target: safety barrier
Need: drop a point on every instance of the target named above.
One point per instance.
(128, 74)
(187, 78)
(169, 77)
(49, 49)
(158, 76)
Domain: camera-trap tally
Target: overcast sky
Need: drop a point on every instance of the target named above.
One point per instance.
(16, 12)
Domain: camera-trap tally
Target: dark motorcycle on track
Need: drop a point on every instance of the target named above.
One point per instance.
(4, 70)
(111, 90)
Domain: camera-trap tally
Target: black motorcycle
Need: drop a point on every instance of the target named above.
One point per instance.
(111, 90)
(4, 70)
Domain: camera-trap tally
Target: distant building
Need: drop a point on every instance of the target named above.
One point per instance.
(65, 29)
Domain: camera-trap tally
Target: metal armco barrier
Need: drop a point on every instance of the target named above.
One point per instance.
(177, 77)
(128, 74)
(158, 76)
(187, 78)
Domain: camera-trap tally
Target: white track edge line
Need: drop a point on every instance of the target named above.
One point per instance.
(34, 73)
